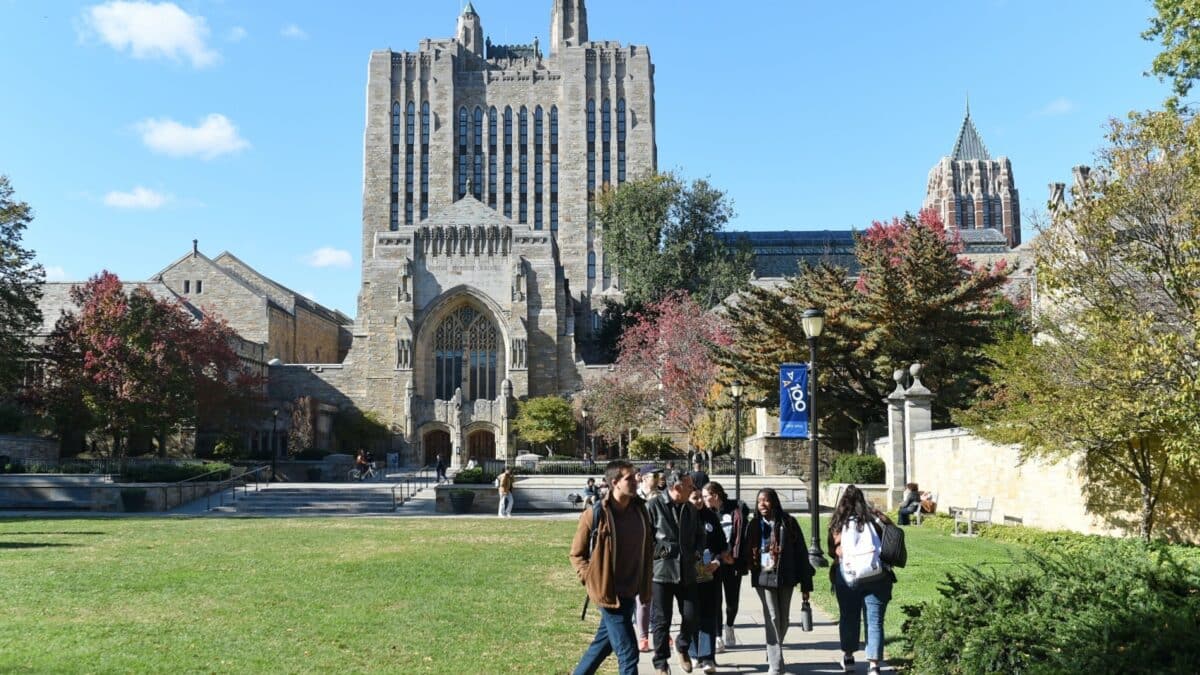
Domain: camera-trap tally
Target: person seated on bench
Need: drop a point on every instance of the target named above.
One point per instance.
(591, 494)
(911, 503)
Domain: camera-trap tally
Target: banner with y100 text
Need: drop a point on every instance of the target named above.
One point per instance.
(793, 400)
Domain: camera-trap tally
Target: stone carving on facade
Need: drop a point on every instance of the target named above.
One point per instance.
(518, 287)
(519, 346)
(404, 353)
(406, 273)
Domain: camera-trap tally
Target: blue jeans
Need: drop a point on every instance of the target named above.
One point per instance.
(851, 601)
(615, 634)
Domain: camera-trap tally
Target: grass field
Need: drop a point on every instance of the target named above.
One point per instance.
(324, 595)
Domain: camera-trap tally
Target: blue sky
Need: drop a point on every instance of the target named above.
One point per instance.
(132, 128)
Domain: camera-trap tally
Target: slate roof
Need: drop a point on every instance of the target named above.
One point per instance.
(969, 144)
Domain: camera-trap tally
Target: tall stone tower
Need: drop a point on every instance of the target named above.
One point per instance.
(568, 25)
(973, 191)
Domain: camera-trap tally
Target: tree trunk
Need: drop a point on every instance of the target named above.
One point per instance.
(1147, 521)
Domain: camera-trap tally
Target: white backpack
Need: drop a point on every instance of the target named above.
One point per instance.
(860, 561)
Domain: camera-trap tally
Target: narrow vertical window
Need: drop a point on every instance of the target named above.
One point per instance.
(394, 193)
(477, 174)
(410, 132)
(424, 160)
(591, 270)
(492, 157)
(538, 128)
(591, 166)
(462, 153)
(620, 141)
(554, 168)
(187, 286)
(523, 164)
(604, 269)
(508, 161)
(606, 138)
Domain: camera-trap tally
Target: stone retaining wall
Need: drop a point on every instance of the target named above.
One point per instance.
(29, 448)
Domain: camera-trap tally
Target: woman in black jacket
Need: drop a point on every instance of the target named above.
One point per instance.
(714, 555)
(778, 561)
(734, 516)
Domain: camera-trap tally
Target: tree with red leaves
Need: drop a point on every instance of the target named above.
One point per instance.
(669, 350)
(913, 300)
(135, 366)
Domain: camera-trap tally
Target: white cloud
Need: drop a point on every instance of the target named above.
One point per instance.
(310, 295)
(1059, 106)
(138, 198)
(294, 32)
(327, 256)
(55, 273)
(215, 136)
(148, 30)
(236, 34)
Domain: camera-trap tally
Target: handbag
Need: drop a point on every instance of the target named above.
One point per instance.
(893, 551)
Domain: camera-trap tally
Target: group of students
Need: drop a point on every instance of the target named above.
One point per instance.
(651, 545)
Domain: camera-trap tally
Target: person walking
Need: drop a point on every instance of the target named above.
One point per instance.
(678, 540)
(699, 475)
(715, 554)
(504, 483)
(647, 490)
(440, 467)
(855, 532)
(778, 562)
(615, 566)
(733, 516)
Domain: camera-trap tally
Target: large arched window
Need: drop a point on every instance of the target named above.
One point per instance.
(466, 354)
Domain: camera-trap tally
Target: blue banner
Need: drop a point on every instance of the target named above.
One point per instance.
(793, 400)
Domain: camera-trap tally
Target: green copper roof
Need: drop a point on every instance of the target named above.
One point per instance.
(469, 9)
(969, 145)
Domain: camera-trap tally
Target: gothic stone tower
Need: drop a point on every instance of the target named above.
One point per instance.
(973, 191)
(481, 252)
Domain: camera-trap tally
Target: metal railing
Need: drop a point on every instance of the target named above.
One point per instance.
(231, 484)
(723, 465)
(408, 485)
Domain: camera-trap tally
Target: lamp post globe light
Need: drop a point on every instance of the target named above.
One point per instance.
(735, 389)
(274, 440)
(583, 413)
(813, 321)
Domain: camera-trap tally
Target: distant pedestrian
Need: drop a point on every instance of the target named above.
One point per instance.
(699, 475)
(504, 483)
(615, 566)
(734, 517)
(856, 526)
(678, 541)
(440, 466)
(591, 493)
(778, 557)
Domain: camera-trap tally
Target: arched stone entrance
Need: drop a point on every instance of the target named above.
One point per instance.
(437, 442)
(481, 445)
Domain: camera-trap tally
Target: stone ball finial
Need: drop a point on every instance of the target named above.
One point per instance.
(915, 370)
(898, 375)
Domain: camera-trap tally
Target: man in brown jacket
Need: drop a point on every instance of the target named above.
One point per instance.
(616, 569)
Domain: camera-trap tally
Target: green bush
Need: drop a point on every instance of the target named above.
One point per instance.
(858, 469)
(10, 418)
(1111, 606)
(477, 475)
(173, 473)
(13, 467)
(653, 446)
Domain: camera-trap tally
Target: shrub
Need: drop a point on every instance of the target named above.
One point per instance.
(173, 473)
(1112, 606)
(653, 446)
(858, 469)
(10, 418)
(477, 475)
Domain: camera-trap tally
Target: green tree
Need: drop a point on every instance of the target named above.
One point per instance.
(20, 289)
(1114, 377)
(661, 235)
(913, 301)
(545, 420)
(1177, 29)
(620, 403)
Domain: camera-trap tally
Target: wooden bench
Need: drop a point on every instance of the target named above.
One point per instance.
(981, 513)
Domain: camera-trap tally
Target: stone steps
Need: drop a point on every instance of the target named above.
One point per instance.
(332, 499)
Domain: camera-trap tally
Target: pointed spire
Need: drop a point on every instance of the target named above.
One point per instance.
(469, 9)
(969, 144)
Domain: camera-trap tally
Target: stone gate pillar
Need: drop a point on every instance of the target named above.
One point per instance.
(895, 425)
(918, 418)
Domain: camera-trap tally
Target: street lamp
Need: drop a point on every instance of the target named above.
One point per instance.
(735, 388)
(274, 440)
(813, 321)
(583, 412)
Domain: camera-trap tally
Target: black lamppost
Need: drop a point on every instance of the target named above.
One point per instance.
(735, 389)
(274, 440)
(813, 321)
(583, 412)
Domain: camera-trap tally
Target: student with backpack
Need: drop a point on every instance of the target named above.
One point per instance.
(612, 555)
(778, 562)
(861, 579)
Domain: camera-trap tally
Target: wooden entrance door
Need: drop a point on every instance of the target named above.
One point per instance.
(481, 445)
(437, 442)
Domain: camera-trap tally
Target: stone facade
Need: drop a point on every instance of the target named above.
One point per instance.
(481, 253)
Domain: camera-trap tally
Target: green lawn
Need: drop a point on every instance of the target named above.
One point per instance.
(931, 553)
(323, 595)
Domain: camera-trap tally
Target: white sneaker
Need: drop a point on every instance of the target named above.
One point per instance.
(709, 666)
(730, 639)
(720, 648)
